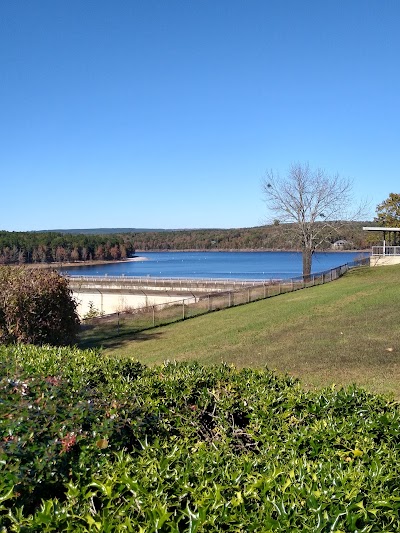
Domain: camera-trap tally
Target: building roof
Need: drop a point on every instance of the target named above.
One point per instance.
(377, 228)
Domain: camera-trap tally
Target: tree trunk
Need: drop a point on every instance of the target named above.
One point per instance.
(307, 259)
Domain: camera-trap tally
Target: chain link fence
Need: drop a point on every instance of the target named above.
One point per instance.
(95, 329)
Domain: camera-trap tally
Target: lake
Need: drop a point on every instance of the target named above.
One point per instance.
(218, 265)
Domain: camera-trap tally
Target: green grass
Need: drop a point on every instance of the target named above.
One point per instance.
(343, 332)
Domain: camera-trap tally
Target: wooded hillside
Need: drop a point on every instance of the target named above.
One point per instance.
(46, 247)
(273, 237)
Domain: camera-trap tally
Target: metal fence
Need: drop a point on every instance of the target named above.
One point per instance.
(134, 320)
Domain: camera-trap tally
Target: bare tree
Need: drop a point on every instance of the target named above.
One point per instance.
(312, 201)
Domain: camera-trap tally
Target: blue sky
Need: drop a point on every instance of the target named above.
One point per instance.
(167, 113)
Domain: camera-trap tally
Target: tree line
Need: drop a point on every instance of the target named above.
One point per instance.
(47, 247)
(276, 236)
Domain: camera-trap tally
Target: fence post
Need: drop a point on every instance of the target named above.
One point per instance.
(230, 295)
(183, 309)
(248, 296)
(154, 315)
(265, 290)
(209, 308)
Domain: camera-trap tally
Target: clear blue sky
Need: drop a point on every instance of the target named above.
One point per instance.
(167, 113)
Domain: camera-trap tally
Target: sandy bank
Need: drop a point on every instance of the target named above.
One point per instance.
(71, 264)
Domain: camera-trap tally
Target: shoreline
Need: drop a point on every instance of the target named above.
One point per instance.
(297, 250)
(255, 250)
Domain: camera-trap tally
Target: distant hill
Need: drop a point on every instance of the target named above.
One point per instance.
(102, 231)
(272, 237)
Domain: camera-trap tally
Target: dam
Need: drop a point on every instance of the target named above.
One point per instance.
(116, 294)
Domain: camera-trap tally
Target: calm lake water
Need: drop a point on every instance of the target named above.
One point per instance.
(220, 265)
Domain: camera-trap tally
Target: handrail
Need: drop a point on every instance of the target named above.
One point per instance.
(153, 280)
(386, 250)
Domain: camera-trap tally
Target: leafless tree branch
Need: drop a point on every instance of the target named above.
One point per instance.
(311, 201)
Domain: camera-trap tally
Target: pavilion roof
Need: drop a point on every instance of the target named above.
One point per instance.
(380, 228)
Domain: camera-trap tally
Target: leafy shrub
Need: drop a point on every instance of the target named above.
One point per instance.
(92, 312)
(90, 443)
(36, 306)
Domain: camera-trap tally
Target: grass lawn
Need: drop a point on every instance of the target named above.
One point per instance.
(343, 332)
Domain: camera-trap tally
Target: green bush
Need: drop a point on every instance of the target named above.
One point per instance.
(36, 306)
(90, 443)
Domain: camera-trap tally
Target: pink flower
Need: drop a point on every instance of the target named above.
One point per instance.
(68, 442)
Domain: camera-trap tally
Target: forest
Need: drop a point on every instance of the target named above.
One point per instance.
(48, 247)
(271, 237)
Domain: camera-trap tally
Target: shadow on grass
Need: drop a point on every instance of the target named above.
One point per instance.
(92, 337)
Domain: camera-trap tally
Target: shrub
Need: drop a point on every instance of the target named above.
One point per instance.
(36, 306)
(92, 443)
(92, 312)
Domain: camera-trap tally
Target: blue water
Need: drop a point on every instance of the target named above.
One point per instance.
(217, 265)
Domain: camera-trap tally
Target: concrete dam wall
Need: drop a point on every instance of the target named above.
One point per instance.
(117, 294)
